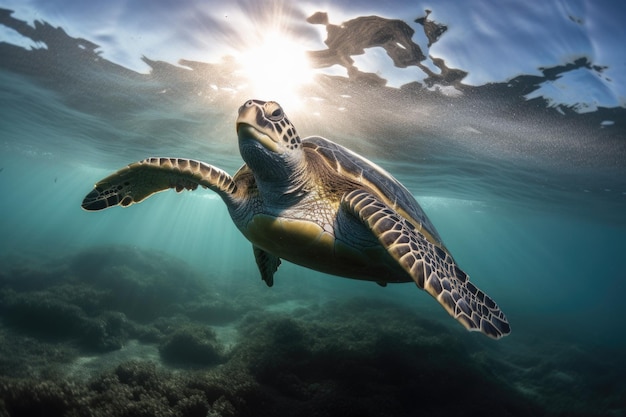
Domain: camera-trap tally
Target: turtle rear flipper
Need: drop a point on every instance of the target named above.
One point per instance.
(267, 263)
(430, 266)
(139, 180)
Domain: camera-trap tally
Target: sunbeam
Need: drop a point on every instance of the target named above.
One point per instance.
(276, 67)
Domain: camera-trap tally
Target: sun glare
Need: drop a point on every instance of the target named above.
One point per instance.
(276, 69)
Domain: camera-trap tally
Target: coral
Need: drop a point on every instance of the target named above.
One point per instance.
(363, 366)
(131, 389)
(52, 318)
(41, 314)
(67, 344)
(107, 332)
(101, 298)
(32, 398)
(142, 285)
(192, 345)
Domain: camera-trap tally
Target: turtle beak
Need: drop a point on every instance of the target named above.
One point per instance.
(247, 132)
(250, 128)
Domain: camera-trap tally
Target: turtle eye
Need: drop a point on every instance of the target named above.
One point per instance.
(276, 115)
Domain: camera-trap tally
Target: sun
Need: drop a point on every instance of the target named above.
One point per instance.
(276, 68)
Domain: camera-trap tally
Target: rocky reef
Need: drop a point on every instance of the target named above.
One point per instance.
(144, 335)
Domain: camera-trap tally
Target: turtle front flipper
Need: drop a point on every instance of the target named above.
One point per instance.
(431, 267)
(139, 180)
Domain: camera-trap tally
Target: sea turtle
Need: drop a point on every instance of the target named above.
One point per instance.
(317, 204)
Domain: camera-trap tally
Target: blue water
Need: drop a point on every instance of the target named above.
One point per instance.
(519, 160)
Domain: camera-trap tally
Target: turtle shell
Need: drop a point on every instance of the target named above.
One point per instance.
(360, 170)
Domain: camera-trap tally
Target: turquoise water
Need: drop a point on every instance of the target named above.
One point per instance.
(520, 163)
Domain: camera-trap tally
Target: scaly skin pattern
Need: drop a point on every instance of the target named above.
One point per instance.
(432, 268)
(317, 204)
(139, 180)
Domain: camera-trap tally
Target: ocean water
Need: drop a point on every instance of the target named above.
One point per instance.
(506, 121)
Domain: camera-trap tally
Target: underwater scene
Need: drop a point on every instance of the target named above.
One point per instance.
(504, 120)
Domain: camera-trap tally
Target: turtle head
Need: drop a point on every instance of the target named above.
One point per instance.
(266, 123)
(268, 142)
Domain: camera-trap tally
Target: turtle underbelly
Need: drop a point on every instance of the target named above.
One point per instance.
(306, 243)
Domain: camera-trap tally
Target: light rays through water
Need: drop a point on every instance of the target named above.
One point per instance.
(276, 67)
